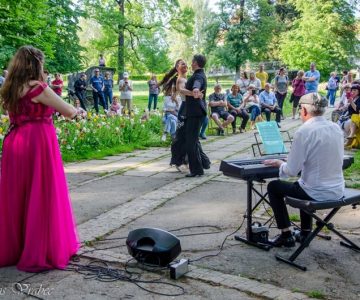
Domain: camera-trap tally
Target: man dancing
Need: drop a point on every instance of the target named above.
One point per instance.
(195, 111)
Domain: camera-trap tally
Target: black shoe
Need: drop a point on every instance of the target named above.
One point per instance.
(203, 136)
(193, 175)
(301, 235)
(278, 125)
(281, 240)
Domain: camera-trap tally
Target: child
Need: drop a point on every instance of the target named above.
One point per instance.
(115, 108)
(80, 112)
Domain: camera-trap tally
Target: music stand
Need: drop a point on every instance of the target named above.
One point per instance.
(270, 140)
(270, 137)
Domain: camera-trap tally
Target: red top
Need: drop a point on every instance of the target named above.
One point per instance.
(58, 91)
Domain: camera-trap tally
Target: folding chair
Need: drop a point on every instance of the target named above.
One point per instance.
(352, 197)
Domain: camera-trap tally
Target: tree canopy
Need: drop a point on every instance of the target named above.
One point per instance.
(50, 25)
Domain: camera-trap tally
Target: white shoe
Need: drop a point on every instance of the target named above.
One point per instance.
(163, 138)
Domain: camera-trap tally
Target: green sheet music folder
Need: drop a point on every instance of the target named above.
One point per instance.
(271, 137)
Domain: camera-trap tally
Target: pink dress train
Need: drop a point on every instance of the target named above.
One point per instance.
(37, 226)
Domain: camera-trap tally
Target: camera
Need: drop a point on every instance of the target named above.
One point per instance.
(260, 233)
(253, 92)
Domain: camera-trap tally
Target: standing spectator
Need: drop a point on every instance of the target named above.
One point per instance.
(346, 79)
(80, 89)
(108, 89)
(268, 104)
(234, 101)
(125, 87)
(255, 81)
(3, 77)
(312, 79)
(204, 125)
(251, 103)
(332, 87)
(57, 85)
(262, 76)
(243, 82)
(153, 92)
(298, 85)
(97, 85)
(101, 61)
(281, 87)
(218, 105)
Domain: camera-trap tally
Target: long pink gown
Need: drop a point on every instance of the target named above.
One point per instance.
(37, 226)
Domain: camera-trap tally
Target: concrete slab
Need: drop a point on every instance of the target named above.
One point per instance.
(100, 196)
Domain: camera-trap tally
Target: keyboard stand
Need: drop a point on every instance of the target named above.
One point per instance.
(249, 211)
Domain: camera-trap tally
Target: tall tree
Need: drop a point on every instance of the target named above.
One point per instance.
(325, 32)
(183, 46)
(242, 31)
(133, 23)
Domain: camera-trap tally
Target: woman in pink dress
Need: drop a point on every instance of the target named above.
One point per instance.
(37, 226)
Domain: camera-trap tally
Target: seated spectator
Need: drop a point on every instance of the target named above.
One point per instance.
(343, 105)
(171, 109)
(347, 124)
(354, 135)
(234, 101)
(80, 112)
(218, 105)
(268, 104)
(251, 103)
(115, 108)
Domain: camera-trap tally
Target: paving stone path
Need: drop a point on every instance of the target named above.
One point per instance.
(119, 193)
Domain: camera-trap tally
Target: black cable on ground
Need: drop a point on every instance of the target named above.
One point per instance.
(222, 245)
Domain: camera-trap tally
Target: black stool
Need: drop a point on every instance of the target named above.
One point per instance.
(352, 197)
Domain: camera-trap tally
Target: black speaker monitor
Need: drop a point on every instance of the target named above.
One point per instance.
(153, 246)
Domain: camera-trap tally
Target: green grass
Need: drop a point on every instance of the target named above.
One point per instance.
(294, 218)
(352, 174)
(316, 294)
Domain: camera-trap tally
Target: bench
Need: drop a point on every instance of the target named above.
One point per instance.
(351, 197)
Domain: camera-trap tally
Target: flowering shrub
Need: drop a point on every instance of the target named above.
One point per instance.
(100, 135)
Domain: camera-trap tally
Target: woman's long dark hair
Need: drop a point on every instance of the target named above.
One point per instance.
(169, 80)
(26, 65)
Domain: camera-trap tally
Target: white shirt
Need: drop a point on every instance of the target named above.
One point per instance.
(318, 152)
(126, 94)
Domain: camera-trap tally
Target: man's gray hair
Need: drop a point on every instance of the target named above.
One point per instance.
(314, 110)
(218, 85)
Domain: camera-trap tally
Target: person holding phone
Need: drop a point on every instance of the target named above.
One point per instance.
(252, 104)
(126, 88)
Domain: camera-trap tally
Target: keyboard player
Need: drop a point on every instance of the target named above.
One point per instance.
(317, 152)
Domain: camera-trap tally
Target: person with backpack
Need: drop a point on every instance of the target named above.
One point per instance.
(332, 86)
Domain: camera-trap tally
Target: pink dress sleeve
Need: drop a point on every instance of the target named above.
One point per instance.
(37, 90)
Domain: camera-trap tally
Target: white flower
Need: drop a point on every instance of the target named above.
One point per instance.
(1, 137)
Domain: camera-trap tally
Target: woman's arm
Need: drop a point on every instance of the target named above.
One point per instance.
(180, 87)
(49, 98)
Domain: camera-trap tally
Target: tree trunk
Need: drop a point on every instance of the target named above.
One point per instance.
(242, 7)
(121, 52)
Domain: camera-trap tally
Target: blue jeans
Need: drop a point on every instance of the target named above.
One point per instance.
(204, 125)
(108, 94)
(170, 122)
(151, 98)
(331, 96)
(255, 111)
(97, 96)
